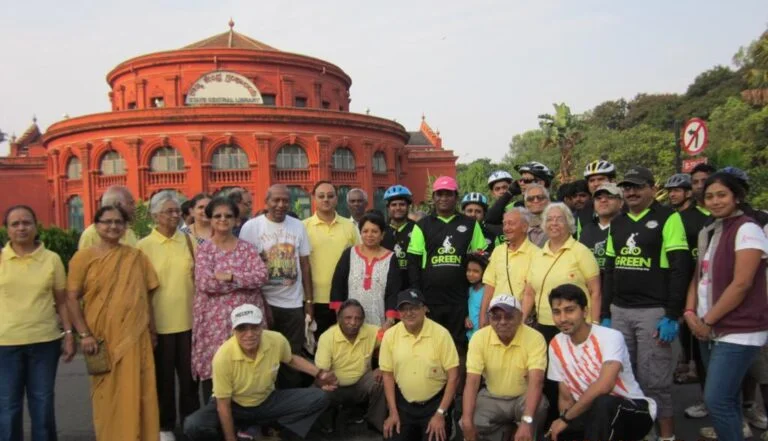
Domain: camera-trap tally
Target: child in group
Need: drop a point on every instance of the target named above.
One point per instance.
(476, 264)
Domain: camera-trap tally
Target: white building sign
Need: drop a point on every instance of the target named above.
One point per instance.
(222, 87)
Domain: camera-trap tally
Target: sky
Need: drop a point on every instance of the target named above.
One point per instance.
(480, 71)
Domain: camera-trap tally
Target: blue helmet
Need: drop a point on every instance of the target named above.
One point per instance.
(475, 198)
(737, 173)
(398, 192)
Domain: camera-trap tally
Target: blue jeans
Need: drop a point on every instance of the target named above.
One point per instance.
(726, 365)
(30, 368)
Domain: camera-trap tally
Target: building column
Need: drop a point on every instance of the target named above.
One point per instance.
(261, 170)
(364, 170)
(58, 194)
(88, 177)
(141, 94)
(318, 96)
(197, 171)
(173, 99)
(134, 180)
(286, 91)
(323, 153)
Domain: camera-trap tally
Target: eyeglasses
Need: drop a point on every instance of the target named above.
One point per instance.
(536, 197)
(498, 317)
(526, 181)
(556, 219)
(112, 222)
(171, 212)
(223, 216)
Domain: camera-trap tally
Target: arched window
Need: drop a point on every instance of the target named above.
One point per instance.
(166, 159)
(75, 219)
(112, 164)
(341, 196)
(292, 156)
(74, 168)
(300, 203)
(230, 157)
(343, 159)
(379, 163)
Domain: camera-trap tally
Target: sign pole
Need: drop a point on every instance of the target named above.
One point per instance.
(678, 148)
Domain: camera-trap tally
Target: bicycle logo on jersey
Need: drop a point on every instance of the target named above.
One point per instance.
(447, 247)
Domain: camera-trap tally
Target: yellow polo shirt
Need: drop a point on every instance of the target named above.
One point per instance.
(27, 300)
(175, 268)
(90, 237)
(327, 241)
(507, 269)
(576, 264)
(348, 361)
(505, 367)
(420, 363)
(247, 381)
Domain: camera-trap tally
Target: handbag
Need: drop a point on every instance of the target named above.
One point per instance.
(98, 363)
(533, 318)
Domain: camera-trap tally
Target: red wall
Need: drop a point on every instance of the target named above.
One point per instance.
(28, 186)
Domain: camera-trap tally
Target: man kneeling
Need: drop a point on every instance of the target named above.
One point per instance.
(599, 398)
(244, 372)
(347, 349)
(511, 357)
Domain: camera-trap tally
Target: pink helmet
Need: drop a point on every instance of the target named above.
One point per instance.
(445, 183)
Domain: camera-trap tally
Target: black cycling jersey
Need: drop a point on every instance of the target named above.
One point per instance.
(594, 237)
(694, 220)
(397, 240)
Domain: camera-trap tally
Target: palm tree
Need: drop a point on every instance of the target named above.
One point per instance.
(561, 130)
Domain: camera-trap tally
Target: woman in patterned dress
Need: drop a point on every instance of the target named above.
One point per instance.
(228, 273)
(201, 229)
(368, 273)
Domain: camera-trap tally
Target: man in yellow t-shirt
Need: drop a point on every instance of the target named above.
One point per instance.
(347, 349)
(119, 196)
(244, 372)
(508, 269)
(512, 358)
(420, 366)
(329, 235)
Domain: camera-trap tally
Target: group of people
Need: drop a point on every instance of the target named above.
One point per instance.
(518, 316)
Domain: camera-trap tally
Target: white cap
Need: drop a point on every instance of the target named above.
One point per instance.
(505, 302)
(246, 314)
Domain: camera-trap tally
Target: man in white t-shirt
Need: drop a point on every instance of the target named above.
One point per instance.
(599, 398)
(283, 244)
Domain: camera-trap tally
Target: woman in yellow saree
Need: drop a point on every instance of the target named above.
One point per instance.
(115, 282)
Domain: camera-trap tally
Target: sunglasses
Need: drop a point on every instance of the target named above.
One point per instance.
(536, 197)
(223, 216)
(526, 181)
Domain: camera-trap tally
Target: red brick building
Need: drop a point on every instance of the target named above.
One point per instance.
(225, 111)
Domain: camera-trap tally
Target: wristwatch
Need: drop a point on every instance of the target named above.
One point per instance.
(565, 419)
(441, 411)
(527, 419)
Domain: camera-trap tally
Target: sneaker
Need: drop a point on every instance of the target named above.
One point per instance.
(167, 436)
(709, 432)
(698, 410)
(756, 417)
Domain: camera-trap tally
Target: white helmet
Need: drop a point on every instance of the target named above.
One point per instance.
(600, 167)
(499, 175)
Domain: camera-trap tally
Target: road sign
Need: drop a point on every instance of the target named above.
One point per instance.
(695, 136)
(689, 164)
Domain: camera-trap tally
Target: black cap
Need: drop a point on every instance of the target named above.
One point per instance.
(638, 176)
(412, 296)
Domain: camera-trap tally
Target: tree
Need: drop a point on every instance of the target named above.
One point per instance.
(657, 111)
(608, 114)
(561, 130)
(474, 176)
(142, 223)
(753, 60)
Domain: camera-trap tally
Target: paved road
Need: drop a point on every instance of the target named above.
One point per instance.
(73, 408)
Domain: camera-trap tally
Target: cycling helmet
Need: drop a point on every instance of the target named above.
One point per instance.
(499, 175)
(475, 198)
(398, 192)
(537, 169)
(737, 173)
(679, 180)
(600, 167)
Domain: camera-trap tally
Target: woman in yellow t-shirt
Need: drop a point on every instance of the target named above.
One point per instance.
(32, 291)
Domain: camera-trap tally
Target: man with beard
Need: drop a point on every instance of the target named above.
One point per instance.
(599, 399)
(608, 201)
(648, 268)
(398, 234)
(511, 357)
(439, 246)
(284, 246)
(699, 176)
(347, 350)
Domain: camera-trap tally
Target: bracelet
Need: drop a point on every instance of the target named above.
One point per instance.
(66, 332)
(84, 334)
(308, 301)
(688, 312)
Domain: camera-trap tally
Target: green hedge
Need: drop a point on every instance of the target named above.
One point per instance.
(62, 242)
